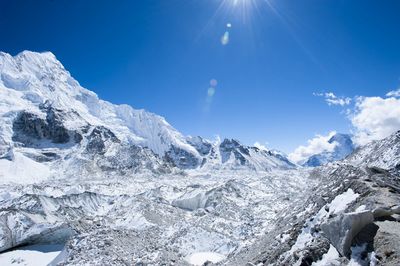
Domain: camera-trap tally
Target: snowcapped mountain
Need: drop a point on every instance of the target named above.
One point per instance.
(51, 122)
(383, 154)
(343, 147)
(132, 190)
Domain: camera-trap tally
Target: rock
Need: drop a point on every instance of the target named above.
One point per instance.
(29, 128)
(229, 146)
(386, 243)
(386, 211)
(395, 209)
(382, 212)
(181, 158)
(342, 229)
(98, 138)
(201, 145)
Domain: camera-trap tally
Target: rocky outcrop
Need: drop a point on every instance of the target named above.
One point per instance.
(30, 128)
(98, 139)
(386, 243)
(201, 145)
(182, 158)
(231, 146)
(342, 229)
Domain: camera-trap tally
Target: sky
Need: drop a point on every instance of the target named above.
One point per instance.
(280, 73)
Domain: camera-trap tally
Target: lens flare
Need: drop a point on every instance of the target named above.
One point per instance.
(225, 38)
(210, 92)
(213, 83)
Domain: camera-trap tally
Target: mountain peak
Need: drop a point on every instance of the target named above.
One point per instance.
(343, 147)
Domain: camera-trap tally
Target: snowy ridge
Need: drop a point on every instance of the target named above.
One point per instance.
(44, 110)
(383, 153)
(29, 79)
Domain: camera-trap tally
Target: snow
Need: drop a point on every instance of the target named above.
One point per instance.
(340, 202)
(358, 259)
(23, 170)
(207, 213)
(329, 258)
(356, 252)
(35, 255)
(361, 208)
(201, 257)
(29, 79)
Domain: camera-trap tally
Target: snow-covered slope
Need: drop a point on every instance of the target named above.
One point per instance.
(383, 153)
(343, 147)
(29, 79)
(230, 154)
(51, 122)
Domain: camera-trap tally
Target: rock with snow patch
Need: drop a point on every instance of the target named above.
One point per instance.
(342, 229)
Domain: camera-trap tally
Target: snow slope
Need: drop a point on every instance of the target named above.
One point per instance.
(50, 121)
(29, 79)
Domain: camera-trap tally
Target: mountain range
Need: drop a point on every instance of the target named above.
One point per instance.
(105, 184)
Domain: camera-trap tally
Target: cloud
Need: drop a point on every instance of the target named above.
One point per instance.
(314, 146)
(260, 146)
(375, 118)
(372, 118)
(332, 99)
(395, 93)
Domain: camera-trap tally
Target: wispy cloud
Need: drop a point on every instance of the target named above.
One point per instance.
(332, 99)
(394, 93)
(261, 146)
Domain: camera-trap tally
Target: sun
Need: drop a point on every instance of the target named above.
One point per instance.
(243, 8)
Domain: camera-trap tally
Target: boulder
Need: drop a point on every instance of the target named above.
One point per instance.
(343, 228)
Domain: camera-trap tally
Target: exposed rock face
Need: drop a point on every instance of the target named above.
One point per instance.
(181, 158)
(231, 146)
(98, 138)
(201, 145)
(342, 229)
(30, 128)
(386, 243)
(131, 157)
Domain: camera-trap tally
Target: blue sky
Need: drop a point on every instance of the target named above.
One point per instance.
(161, 56)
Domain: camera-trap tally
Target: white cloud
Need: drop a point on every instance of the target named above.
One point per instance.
(314, 146)
(395, 93)
(332, 99)
(260, 146)
(375, 118)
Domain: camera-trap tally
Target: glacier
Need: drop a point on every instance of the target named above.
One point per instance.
(113, 185)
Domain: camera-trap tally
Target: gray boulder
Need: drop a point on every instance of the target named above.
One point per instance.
(342, 229)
